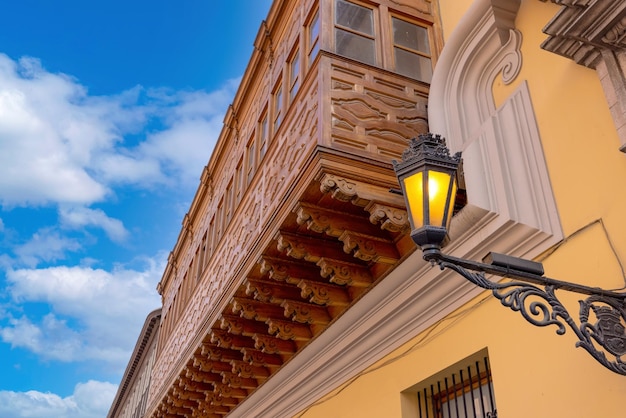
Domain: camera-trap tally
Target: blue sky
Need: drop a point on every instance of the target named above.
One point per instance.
(108, 112)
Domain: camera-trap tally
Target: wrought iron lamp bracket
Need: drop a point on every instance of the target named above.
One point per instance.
(534, 296)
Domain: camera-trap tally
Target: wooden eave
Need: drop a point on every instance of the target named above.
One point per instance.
(340, 232)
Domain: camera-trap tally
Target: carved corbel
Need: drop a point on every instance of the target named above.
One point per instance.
(342, 273)
(368, 248)
(272, 345)
(306, 313)
(245, 369)
(259, 358)
(324, 294)
(271, 292)
(240, 326)
(289, 330)
(390, 219)
(253, 309)
(225, 339)
(237, 381)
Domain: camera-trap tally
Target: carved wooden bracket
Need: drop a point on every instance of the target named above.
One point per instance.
(343, 273)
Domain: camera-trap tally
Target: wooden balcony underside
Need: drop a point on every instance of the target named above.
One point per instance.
(340, 233)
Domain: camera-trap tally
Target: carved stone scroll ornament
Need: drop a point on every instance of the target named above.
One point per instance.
(593, 34)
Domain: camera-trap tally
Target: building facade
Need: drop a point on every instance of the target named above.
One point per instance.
(132, 394)
(294, 288)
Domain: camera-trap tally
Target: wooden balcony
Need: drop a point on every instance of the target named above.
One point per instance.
(314, 230)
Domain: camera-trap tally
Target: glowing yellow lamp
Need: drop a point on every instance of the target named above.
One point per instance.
(427, 175)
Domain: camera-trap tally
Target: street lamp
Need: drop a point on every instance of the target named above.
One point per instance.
(427, 176)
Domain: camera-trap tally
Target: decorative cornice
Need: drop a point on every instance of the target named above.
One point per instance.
(581, 30)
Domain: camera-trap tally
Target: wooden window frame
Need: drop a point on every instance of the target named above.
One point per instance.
(251, 160)
(294, 68)
(425, 54)
(375, 36)
(263, 133)
(277, 105)
(312, 38)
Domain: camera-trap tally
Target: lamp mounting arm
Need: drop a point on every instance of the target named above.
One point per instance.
(534, 296)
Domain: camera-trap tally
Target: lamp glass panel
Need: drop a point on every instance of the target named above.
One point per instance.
(414, 195)
(438, 196)
(451, 199)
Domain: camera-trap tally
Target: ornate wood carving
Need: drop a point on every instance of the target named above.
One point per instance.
(246, 369)
(289, 330)
(236, 381)
(225, 339)
(216, 353)
(227, 391)
(271, 292)
(342, 273)
(369, 248)
(207, 365)
(214, 398)
(304, 277)
(288, 271)
(241, 326)
(324, 294)
(259, 358)
(358, 193)
(332, 223)
(306, 313)
(273, 345)
(389, 218)
(308, 248)
(253, 309)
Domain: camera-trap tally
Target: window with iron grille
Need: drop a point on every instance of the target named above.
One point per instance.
(464, 390)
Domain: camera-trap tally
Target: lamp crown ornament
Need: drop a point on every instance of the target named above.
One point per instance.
(427, 146)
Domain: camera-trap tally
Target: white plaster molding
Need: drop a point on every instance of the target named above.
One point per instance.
(462, 81)
(511, 209)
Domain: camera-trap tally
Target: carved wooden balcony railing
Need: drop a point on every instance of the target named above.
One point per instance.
(316, 229)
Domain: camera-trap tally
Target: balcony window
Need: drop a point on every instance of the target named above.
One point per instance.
(277, 106)
(263, 135)
(411, 49)
(294, 74)
(313, 36)
(240, 182)
(251, 160)
(354, 32)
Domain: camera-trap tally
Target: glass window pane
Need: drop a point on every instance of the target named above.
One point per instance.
(314, 28)
(355, 17)
(414, 194)
(355, 46)
(413, 65)
(410, 36)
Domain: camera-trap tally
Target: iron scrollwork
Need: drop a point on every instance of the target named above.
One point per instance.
(541, 307)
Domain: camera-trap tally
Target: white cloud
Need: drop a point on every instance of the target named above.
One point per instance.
(60, 145)
(91, 399)
(79, 217)
(45, 245)
(95, 314)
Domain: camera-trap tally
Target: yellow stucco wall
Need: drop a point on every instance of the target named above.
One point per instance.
(536, 373)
